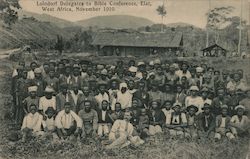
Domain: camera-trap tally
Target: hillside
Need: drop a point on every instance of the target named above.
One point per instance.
(31, 31)
(115, 21)
(46, 18)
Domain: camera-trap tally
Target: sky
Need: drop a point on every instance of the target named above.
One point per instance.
(186, 11)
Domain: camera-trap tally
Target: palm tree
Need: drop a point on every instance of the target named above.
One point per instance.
(162, 12)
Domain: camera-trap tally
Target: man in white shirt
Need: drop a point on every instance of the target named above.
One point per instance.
(124, 96)
(32, 123)
(121, 133)
(68, 123)
(194, 99)
(48, 100)
(103, 95)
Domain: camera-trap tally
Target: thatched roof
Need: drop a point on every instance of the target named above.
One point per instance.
(209, 48)
(137, 39)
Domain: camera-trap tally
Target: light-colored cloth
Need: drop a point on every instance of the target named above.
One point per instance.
(31, 75)
(154, 129)
(44, 103)
(33, 121)
(121, 128)
(64, 120)
(124, 98)
(196, 101)
(103, 129)
(101, 97)
(233, 86)
(167, 113)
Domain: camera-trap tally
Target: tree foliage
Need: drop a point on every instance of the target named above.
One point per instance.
(161, 10)
(7, 11)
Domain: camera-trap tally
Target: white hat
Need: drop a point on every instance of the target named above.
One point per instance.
(177, 104)
(194, 88)
(49, 89)
(151, 63)
(132, 69)
(32, 89)
(240, 106)
(157, 61)
(208, 101)
(199, 69)
(104, 72)
(141, 63)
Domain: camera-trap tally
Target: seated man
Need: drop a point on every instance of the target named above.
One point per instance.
(90, 118)
(223, 125)
(143, 124)
(117, 113)
(32, 123)
(68, 123)
(240, 122)
(177, 121)
(104, 120)
(121, 133)
(206, 122)
(192, 121)
(156, 119)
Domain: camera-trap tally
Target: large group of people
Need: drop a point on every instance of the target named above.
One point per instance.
(128, 102)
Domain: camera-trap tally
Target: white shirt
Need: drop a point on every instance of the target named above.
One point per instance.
(125, 99)
(122, 127)
(64, 120)
(103, 115)
(32, 121)
(44, 103)
(223, 122)
(235, 119)
(196, 101)
(99, 98)
(175, 119)
(167, 114)
(31, 75)
(75, 96)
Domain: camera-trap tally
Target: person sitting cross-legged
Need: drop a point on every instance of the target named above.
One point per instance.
(32, 123)
(90, 120)
(121, 134)
(192, 122)
(223, 125)
(49, 124)
(68, 123)
(104, 120)
(177, 121)
(240, 122)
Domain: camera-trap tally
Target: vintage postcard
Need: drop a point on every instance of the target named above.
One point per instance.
(144, 79)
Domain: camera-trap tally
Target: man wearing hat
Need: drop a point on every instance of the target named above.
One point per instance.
(177, 121)
(240, 122)
(68, 123)
(124, 97)
(192, 121)
(206, 122)
(102, 94)
(222, 123)
(38, 81)
(32, 123)
(31, 99)
(48, 100)
(194, 99)
(89, 118)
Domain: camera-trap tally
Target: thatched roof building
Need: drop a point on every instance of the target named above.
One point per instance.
(214, 50)
(123, 42)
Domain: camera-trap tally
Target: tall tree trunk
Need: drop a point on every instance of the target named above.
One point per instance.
(161, 23)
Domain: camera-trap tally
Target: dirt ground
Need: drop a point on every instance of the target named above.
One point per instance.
(158, 147)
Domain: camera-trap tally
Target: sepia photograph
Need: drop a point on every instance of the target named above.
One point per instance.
(125, 79)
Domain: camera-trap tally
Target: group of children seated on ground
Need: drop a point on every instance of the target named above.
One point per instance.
(129, 103)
